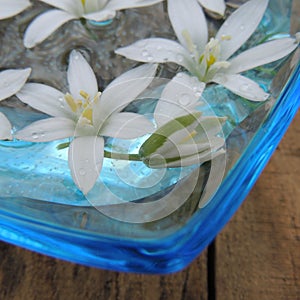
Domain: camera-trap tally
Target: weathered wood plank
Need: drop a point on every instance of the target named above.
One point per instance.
(25, 275)
(258, 253)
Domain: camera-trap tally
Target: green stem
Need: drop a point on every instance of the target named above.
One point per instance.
(108, 154)
(122, 156)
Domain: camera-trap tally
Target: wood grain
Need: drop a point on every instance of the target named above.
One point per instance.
(258, 253)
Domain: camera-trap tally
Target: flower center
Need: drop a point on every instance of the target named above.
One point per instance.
(211, 53)
(83, 107)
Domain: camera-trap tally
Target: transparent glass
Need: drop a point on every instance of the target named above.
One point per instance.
(41, 208)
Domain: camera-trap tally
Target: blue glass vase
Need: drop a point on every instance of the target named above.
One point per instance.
(138, 219)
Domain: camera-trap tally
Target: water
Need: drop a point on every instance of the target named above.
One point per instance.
(39, 171)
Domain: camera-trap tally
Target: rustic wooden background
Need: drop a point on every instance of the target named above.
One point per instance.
(256, 256)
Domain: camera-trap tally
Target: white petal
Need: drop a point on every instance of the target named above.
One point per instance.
(11, 81)
(212, 145)
(240, 25)
(123, 90)
(126, 126)
(101, 15)
(188, 17)
(85, 161)
(179, 97)
(157, 50)
(10, 8)
(81, 77)
(242, 86)
(46, 130)
(45, 99)
(118, 5)
(262, 54)
(94, 5)
(44, 25)
(199, 158)
(72, 6)
(5, 128)
(217, 6)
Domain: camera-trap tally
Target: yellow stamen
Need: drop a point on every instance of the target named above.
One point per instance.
(211, 60)
(84, 95)
(189, 41)
(226, 37)
(88, 114)
(71, 102)
(83, 2)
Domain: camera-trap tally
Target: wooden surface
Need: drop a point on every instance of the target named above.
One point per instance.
(257, 255)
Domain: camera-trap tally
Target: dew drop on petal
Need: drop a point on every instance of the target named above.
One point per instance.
(179, 58)
(35, 135)
(150, 58)
(185, 99)
(242, 27)
(145, 53)
(82, 172)
(244, 88)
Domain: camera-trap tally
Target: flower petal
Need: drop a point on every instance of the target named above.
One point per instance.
(127, 126)
(121, 91)
(239, 26)
(46, 130)
(72, 6)
(11, 81)
(45, 99)
(101, 15)
(118, 5)
(10, 8)
(94, 5)
(241, 86)
(187, 18)
(81, 77)
(195, 159)
(217, 6)
(44, 25)
(85, 161)
(157, 50)
(5, 128)
(180, 97)
(262, 54)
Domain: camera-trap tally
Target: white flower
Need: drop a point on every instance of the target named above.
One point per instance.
(11, 81)
(96, 10)
(87, 115)
(10, 8)
(183, 137)
(211, 61)
(217, 6)
(5, 128)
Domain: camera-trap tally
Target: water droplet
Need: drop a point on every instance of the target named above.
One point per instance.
(242, 26)
(150, 58)
(244, 88)
(82, 172)
(145, 53)
(179, 58)
(76, 56)
(185, 99)
(35, 135)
